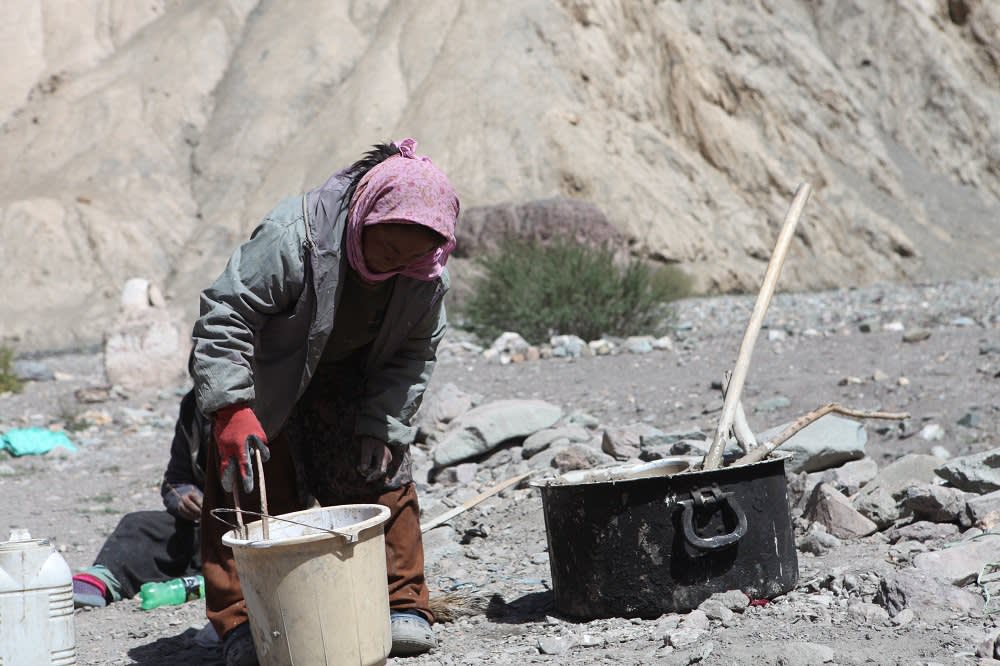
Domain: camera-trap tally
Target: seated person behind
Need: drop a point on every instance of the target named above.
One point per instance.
(154, 545)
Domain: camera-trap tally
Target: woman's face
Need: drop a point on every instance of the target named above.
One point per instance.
(389, 247)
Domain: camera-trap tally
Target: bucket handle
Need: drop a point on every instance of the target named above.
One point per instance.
(352, 537)
(714, 496)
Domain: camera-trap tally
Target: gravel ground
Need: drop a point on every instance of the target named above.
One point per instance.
(813, 352)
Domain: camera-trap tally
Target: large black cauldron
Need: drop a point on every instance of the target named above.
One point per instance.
(650, 539)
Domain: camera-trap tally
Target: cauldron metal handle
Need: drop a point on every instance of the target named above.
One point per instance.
(716, 496)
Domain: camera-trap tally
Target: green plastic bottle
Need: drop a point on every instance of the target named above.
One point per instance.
(172, 592)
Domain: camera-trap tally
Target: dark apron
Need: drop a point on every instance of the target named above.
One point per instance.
(325, 451)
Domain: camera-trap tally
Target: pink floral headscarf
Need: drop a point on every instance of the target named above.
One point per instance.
(404, 189)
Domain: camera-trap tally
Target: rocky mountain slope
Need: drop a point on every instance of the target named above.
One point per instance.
(147, 139)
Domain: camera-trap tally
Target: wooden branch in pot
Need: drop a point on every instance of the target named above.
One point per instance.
(713, 459)
(766, 448)
(741, 427)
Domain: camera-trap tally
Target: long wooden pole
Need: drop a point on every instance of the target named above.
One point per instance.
(465, 506)
(713, 459)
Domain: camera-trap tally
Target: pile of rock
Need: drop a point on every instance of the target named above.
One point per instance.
(933, 516)
(511, 347)
(508, 437)
(858, 499)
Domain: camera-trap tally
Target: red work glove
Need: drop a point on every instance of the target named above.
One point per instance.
(236, 429)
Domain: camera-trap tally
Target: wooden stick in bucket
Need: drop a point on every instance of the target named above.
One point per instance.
(264, 527)
(241, 528)
(713, 459)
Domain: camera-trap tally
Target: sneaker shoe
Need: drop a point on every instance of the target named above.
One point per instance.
(88, 592)
(411, 633)
(237, 647)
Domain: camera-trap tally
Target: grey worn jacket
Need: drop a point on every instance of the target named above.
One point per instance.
(266, 319)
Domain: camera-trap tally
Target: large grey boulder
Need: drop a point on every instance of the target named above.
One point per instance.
(878, 506)
(827, 442)
(848, 478)
(938, 504)
(483, 228)
(486, 427)
(978, 473)
(983, 511)
(554, 437)
(960, 564)
(791, 653)
(910, 470)
(929, 597)
(33, 371)
(828, 507)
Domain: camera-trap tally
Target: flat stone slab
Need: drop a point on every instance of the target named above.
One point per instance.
(978, 473)
(931, 598)
(984, 510)
(486, 427)
(910, 470)
(962, 563)
(828, 442)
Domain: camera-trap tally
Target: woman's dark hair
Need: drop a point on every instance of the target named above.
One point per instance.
(379, 153)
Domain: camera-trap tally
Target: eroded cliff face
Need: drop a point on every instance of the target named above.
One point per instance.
(149, 140)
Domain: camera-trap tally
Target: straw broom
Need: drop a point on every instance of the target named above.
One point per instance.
(449, 606)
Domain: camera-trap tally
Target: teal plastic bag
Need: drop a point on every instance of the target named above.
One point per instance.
(34, 441)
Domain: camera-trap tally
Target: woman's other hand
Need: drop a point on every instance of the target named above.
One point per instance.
(375, 458)
(190, 505)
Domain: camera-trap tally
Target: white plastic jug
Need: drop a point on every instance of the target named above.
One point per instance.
(317, 598)
(36, 603)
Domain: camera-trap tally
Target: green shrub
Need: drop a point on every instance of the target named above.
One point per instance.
(8, 380)
(564, 288)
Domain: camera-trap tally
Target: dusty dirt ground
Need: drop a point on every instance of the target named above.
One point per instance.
(75, 500)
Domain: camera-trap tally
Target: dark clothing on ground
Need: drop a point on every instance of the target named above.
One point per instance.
(150, 546)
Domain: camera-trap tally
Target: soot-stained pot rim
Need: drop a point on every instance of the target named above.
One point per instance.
(672, 467)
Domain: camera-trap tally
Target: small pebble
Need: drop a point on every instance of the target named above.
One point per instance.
(916, 335)
(555, 645)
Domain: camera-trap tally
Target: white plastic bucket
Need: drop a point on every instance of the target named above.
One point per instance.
(317, 598)
(36, 604)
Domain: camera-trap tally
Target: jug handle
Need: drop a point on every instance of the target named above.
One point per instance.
(728, 502)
